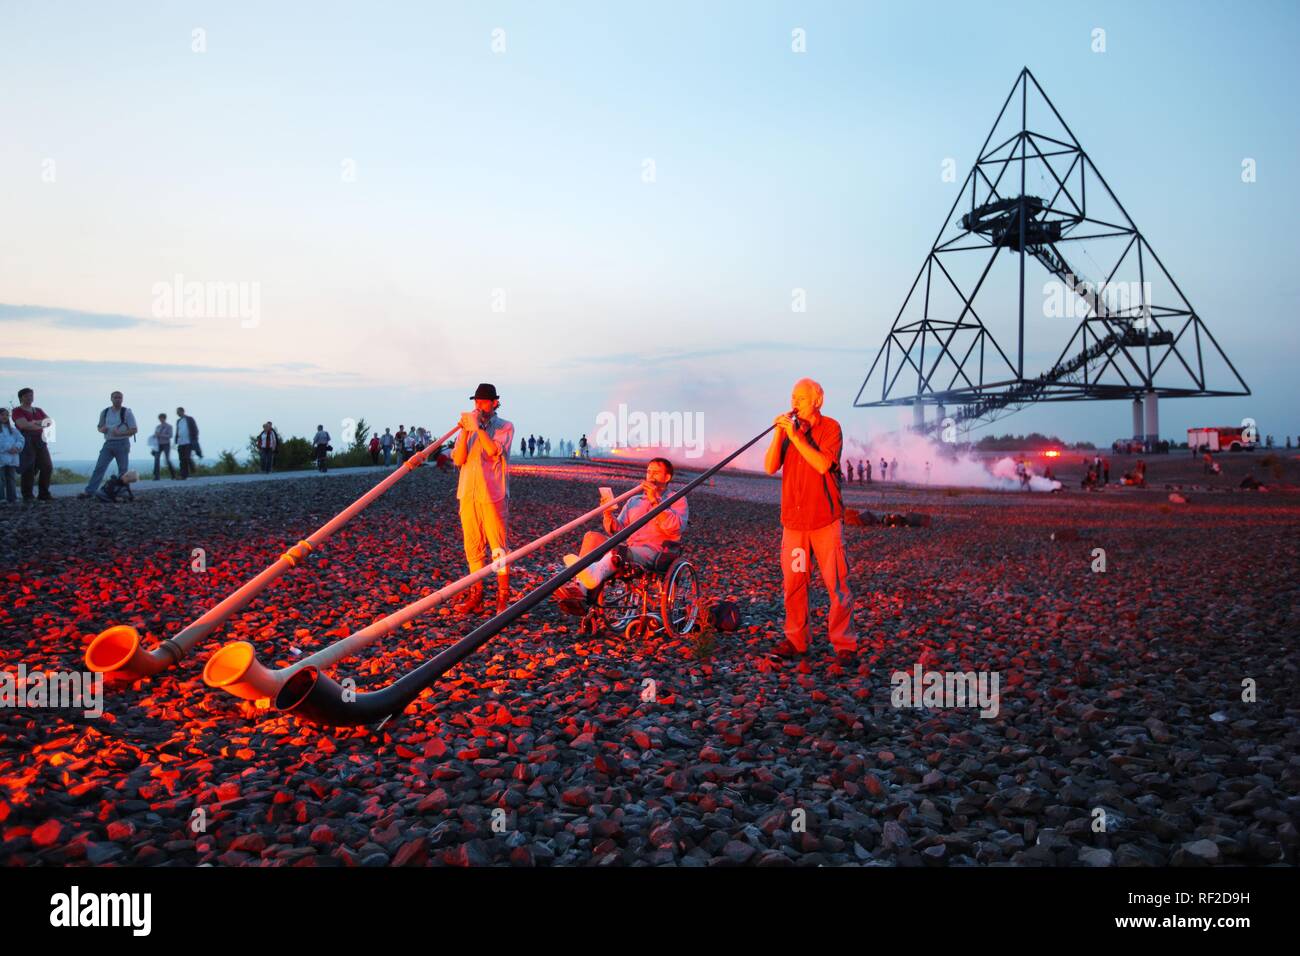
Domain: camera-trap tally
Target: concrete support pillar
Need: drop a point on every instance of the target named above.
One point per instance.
(918, 415)
(1137, 419)
(1151, 415)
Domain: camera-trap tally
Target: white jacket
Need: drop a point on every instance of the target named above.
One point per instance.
(12, 442)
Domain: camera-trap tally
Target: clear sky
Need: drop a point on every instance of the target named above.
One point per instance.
(417, 211)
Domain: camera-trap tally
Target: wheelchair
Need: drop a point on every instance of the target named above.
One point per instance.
(636, 602)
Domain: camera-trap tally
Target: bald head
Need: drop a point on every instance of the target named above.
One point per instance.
(806, 397)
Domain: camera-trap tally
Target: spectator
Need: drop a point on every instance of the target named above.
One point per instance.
(187, 441)
(322, 447)
(34, 465)
(548, 448)
(867, 472)
(117, 425)
(523, 447)
(893, 468)
(848, 469)
(582, 447)
(399, 442)
(884, 470)
(532, 446)
(12, 443)
(374, 449)
(1105, 471)
(161, 441)
(386, 443)
(268, 441)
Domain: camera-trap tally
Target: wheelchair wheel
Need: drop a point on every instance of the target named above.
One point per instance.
(619, 604)
(635, 630)
(680, 598)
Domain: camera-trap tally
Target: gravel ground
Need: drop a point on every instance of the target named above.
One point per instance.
(1122, 737)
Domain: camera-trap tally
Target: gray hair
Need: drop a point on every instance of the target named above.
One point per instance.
(815, 386)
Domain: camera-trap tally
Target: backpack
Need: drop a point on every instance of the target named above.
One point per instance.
(723, 615)
(114, 487)
(103, 419)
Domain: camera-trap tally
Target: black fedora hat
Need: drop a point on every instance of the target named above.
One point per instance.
(486, 391)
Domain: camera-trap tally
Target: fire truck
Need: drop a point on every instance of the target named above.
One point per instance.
(1238, 438)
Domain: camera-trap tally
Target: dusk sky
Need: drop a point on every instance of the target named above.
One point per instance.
(615, 204)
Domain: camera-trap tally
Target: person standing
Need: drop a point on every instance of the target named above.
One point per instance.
(532, 446)
(868, 471)
(35, 465)
(320, 444)
(582, 445)
(806, 450)
(548, 448)
(884, 470)
(117, 425)
(386, 445)
(399, 440)
(482, 453)
(268, 440)
(523, 447)
(162, 448)
(187, 441)
(12, 443)
(893, 468)
(848, 470)
(374, 449)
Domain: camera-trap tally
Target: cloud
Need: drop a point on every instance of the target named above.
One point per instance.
(669, 356)
(71, 367)
(78, 319)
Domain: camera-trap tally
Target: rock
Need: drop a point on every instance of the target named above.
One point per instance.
(98, 854)
(1202, 851)
(894, 836)
(1096, 856)
(412, 852)
(738, 852)
(119, 830)
(47, 834)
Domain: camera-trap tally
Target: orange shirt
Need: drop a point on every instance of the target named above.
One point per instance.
(810, 500)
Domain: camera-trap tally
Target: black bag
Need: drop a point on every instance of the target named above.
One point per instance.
(114, 487)
(725, 615)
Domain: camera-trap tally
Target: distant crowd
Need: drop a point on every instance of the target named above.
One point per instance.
(25, 461)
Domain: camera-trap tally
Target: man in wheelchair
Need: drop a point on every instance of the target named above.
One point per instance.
(652, 548)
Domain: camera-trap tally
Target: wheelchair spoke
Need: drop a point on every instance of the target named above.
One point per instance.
(681, 601)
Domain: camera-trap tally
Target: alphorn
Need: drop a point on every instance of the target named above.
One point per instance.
(236, 668)
(119, 648)
(313, 696)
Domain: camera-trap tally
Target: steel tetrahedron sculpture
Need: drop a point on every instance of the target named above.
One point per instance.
(1038, 247)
